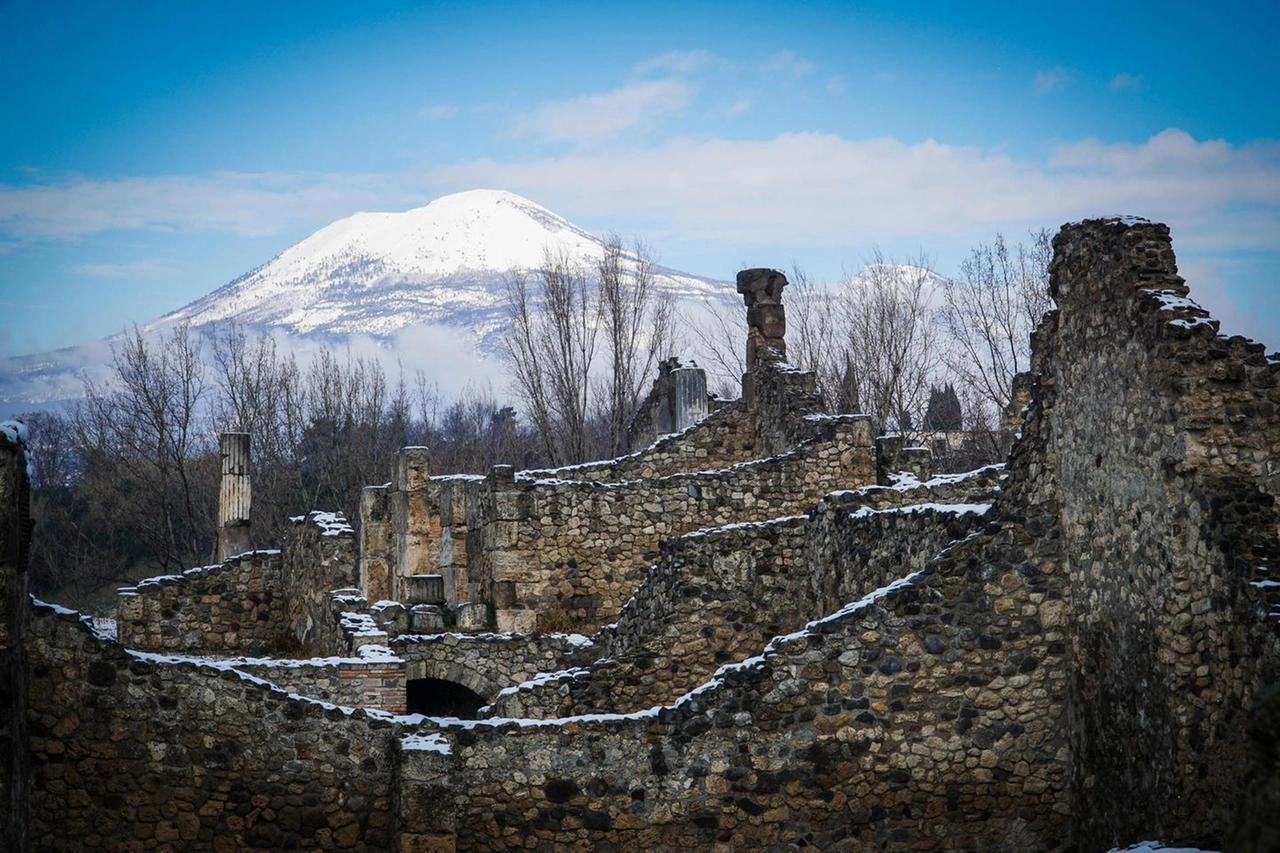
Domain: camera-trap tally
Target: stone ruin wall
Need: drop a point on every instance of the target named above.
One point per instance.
(232, 608)
(987, 701)
(134, 754)
(561, 553)
(1166, 446)
(720, 595)
(897, 724)
(374, 681)
(15, 614)
(252, 604)
(565, 554)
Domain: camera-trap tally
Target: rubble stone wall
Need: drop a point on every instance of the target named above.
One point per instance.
(15, 533)
(134, 754)
(319, 557)
(233, 608)
(568, 554)
(719, 595)
(929, 717)
(725, 437)
(1166, 444)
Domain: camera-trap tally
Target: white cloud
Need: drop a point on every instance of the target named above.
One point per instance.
(148, 269)
(811, 189)
(440, 112)
(595, 118)
(836, 85)
(787, 64)
(1124, 81)
(799, 189)
(1047, 81)
(250, 205)
(677, 62)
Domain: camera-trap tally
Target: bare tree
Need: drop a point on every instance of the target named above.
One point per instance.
(637, 321)
(989, 312)
(890, 352)
(719, 336)
(550, 346)
(148, 450)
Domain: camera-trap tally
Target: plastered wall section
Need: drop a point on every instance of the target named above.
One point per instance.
(1166, 444)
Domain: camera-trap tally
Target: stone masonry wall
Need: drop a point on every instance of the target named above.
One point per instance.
(130, 753)
(373, 681)
(486, 663)
(319, 557)
(719, 595)
(725, 437)
(568, 554)
(233, 608)
(15, 533)
(928, 717)
(1166, 443)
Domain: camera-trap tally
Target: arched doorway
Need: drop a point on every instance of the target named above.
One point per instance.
(436, 697)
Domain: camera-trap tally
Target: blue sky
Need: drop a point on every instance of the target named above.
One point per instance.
(151, 152)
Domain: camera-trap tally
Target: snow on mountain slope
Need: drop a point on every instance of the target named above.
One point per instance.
(426, 285)
(377, 273)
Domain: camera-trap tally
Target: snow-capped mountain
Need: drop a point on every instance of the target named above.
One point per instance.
(377, 273)
(379, 276)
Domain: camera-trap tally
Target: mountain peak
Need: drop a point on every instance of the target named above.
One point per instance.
(374, 273)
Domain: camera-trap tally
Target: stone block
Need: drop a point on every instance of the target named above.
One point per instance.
(521, 621)
(411, 468)
(368, 638)
(472, 616)
(504, 595)
(426, 619)
(504, 534)
(424, 589)
(392, 618)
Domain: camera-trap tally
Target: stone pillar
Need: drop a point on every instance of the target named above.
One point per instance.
(761, 290)
(377, 543)
(414, 517)
(234, 497)
(688, 396)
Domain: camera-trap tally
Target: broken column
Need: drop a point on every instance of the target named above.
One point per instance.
(761, 290)
(677, 401)
(234, 496)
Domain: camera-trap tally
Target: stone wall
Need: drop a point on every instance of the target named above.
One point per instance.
(1166, 444)
(131, 753)
(725, 437)
(372, 681)
(567, 554)
(319, 557)
(926, 717)
(486, 663)
(233, 608)
(15, 538)
(719, 595)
